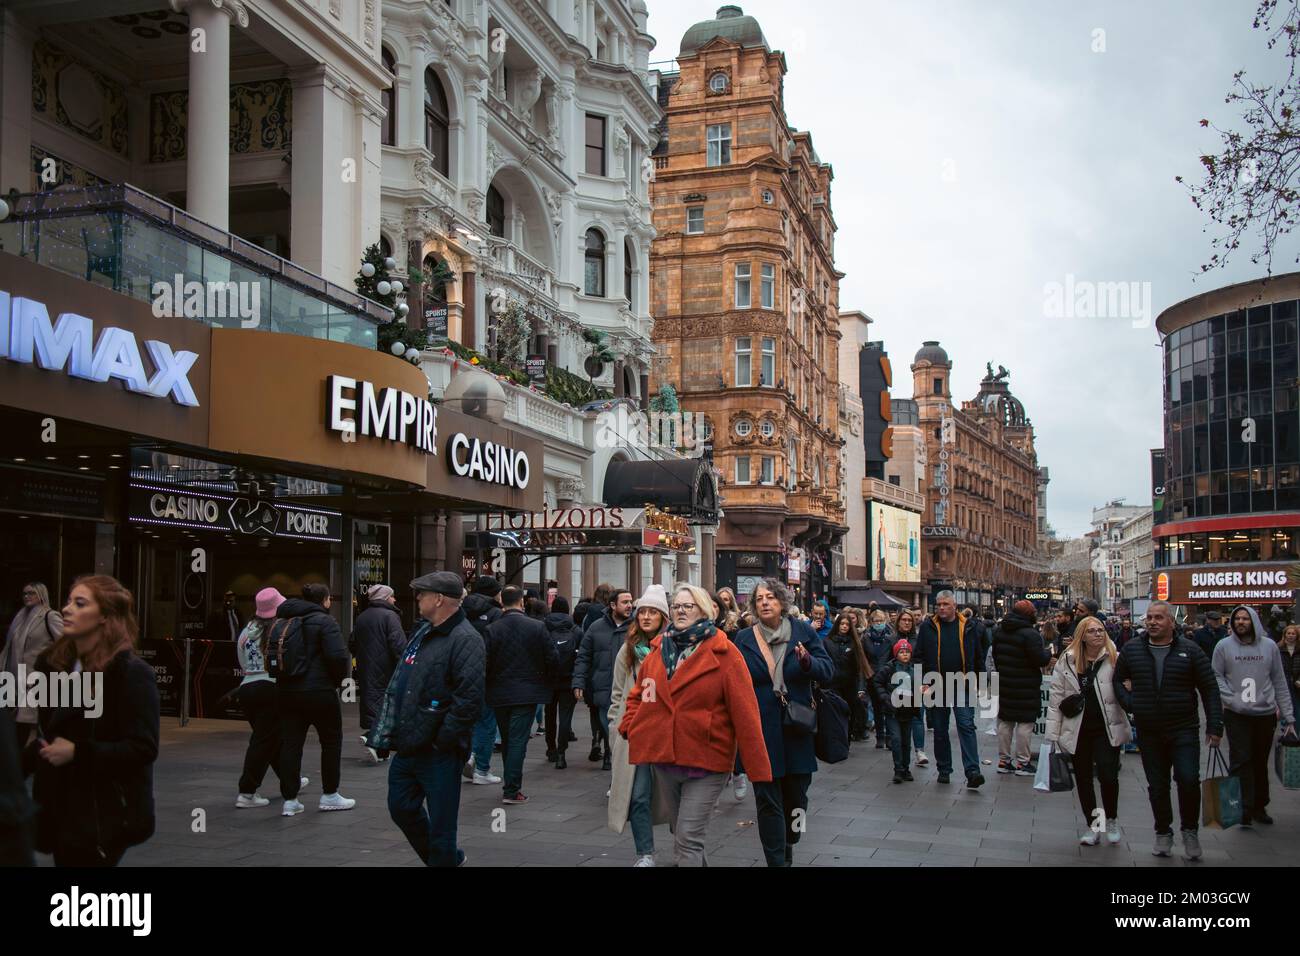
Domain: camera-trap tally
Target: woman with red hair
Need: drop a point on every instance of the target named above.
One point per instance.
(93, 758)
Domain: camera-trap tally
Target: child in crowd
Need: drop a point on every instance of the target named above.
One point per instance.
(900, 701)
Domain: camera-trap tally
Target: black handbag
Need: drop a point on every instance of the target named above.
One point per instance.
(1072, 706)
(801, 718)
(1060, 772)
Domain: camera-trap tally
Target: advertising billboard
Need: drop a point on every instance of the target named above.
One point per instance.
(894, 544)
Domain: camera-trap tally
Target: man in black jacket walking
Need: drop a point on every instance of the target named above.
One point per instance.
(1157, 679)
(428, 713)
(312, 700)
(593, 670)
(559, 709)
(521, 658)
(482, 607)
(1211, 633)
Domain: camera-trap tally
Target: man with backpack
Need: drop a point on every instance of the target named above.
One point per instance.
(309, 660)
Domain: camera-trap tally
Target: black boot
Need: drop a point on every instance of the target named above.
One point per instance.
(560, 762)
(605, 765)
(551, 755)
(595, 753)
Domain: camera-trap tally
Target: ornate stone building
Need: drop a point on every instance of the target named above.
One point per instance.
(744, 295)
(980, 527)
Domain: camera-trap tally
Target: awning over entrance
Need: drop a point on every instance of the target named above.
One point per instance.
(684, 487)
(862, 597)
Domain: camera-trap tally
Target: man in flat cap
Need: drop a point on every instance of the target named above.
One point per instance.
(429, 709)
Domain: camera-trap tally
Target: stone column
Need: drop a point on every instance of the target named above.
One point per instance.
(455, 541)
(591, 27)
(207, 146)
(414, 103)
(16, 42)
(618, 378)
(469, 318)
(708, 560)
(683, 569)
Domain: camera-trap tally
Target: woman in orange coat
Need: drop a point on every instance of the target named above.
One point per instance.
(693, 707)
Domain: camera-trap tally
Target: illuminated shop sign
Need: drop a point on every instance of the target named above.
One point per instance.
(69, 344)
(1225, 584)
(487, 461)
(379, 412)
(210, 511)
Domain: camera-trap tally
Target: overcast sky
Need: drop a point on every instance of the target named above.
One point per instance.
(981, 151)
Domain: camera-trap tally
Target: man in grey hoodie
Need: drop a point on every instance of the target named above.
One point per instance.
(1252, 683)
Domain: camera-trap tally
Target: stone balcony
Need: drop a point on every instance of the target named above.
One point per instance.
(873, 489)
(510, 265)
(524, 407)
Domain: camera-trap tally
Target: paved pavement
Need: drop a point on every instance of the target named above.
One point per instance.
(857, 817)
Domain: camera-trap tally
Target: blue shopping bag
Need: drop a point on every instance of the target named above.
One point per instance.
(1220, 794)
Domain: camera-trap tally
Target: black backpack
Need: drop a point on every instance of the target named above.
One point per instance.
(831, 743)
(286, 649)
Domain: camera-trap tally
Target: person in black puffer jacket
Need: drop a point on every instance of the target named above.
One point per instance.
(481, 609)
(312, 700)
(1019, 658)
(378, 641)
(852, 671)
(878, 644)
(559, 710)
(94, 771)
(1164, 673)
(593, 670)
(899, 718)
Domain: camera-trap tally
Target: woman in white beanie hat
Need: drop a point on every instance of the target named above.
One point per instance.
(632, 795)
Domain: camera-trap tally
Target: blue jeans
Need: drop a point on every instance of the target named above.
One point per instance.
(515, 724)
(638, 811)
(918, 730)
(966, 738)
(485, 736)
(432, 779)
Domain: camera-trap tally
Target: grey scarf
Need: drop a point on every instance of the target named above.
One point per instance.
(779, 641)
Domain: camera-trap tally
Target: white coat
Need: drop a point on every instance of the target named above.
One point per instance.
(1065, 682)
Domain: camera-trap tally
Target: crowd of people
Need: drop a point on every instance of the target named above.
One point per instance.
(688, 693)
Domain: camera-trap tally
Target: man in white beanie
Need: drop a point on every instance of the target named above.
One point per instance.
(378, 641)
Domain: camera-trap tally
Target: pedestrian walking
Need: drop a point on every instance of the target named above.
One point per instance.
(852, 671)
(312, 698)
(945, 649)
(559, 708)
(632, 795)
(784, 657)
(878, 642)
(1157, 679)
(691, 710)
(728, 612)
(1085, 718)
(1208, 635)
(378, 640)
(1254, 688)
(905, 630)
(34, 628)
(820, 619)
(481, 608)
(1019, 658)
(900, 696)
(427, 717)
(1289, 645)
(258, 700)
(521, 659)
(593, 670)
(93, 783)
(225, 624)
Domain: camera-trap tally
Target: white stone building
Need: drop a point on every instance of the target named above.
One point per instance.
(1137, 557)
(1108, 523)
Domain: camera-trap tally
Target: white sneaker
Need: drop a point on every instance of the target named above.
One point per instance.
(486, 778)
(291, 807)
(336, 801)
(1113, 833)
(646, 860)
(608, 792)
(921, 759)
(741, 783)
(246, 801)
(302, 783)
(371, 752)
(1091, 838)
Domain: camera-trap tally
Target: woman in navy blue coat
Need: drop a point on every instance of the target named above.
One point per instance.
(784, 655)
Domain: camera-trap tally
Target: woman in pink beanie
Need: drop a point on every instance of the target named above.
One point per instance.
(257, 697)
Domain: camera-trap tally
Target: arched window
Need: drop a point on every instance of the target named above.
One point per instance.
(628, 257)
(594, 260)
(496, 213)
(437, 122)
(385, 247)
(435, 290)
(388, 97)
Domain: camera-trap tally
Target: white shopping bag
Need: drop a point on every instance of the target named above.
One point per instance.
(1041, 778)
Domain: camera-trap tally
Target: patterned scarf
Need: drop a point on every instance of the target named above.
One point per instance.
(677, 645)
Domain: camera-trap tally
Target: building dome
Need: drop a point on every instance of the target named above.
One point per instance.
(931, 352)
(730, 24)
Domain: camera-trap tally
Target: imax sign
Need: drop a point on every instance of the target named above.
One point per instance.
(69, 344)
